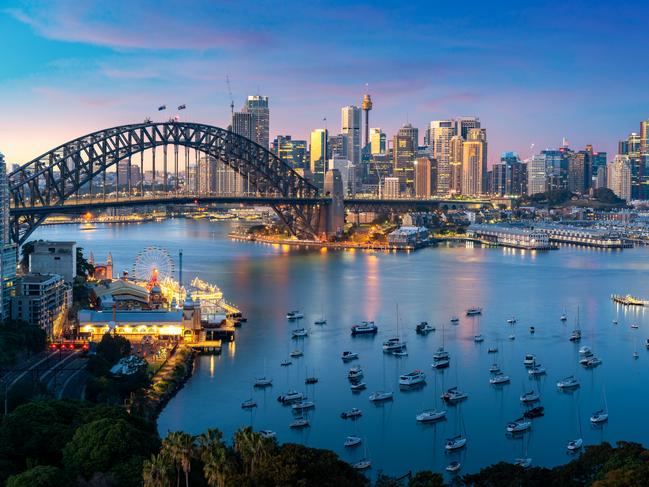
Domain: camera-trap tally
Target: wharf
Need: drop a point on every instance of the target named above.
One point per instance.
(211, 347)
(629, 300)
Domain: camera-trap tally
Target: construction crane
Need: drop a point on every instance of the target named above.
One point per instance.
(227, 80)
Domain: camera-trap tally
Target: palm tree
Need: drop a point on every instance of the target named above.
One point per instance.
(155, 472)
(213, 454)
(179, 447)
(251, 447)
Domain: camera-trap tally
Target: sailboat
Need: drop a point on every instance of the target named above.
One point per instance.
(576, 444)
(441, 357)
(600, 416)
(322, 320)
(635, 352)
(364, 463)
(395, 345)
(524, 461)
(575, 336)
(383, 395)
(457, 441)
(431, 415)
(564, 316)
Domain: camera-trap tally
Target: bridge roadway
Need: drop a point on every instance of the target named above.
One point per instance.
(79, 205)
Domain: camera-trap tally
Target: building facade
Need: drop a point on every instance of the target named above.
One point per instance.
(257, 106)
(474, 163)
(318, 155)
(439, 135)
(537, 180)
(351, 127)
(425, 177)
(618, 177)
(42, 300)
(378, 141)
(54, 258)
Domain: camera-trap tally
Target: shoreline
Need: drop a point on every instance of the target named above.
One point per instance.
(327, 245)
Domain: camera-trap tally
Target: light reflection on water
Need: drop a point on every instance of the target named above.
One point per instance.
(428, 285)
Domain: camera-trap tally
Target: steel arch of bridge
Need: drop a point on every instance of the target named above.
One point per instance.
(59, 174)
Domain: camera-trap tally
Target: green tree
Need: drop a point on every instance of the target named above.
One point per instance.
(178, 446)
(155, 472)
(112, 348)
(26, 250)
(426, 478)
(252, 448)
(606, 195)
(41, 476)
(213, 454)
(84, 268)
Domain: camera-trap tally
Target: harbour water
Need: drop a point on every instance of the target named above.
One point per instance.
(432, 284)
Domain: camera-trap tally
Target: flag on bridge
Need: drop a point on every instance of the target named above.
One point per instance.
(162, 107)
(182, 107)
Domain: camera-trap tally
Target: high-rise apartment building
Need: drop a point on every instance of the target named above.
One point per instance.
(7, 248)
(292, 152)
(462, 125)
(579, 172)
(509, 176)
(455, 165)
(440, 133)
(318, 155)
(339, 145)
(537, 178)
(403, 158)
(644, 138)
(391, 188)
(378, 141)
(351, 127)
(258, 106)
(618, 177)
(474, 163)
(425, 177)
(243, 123)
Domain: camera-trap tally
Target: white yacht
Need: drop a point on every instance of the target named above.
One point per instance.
(303, 405)
(366, 327)
(263, 382)
(454, 466)
(494, 369)
(348, 356)
(575, 336)
(575, 445)
(352, 413)
(268, 434)
(441, 354)
(521, 424)
(393, 345)
(536, 370)
(299, 423)
(511, 321)
(474, 311)
(570, 382)
(455, 443)
(381, 396)
(564, 317)
(299, 333)
(355, 373)
(430, 415)
(363, 464)
(454, 395)
(249, 404)
(352, 440)
(412, 378)
(600, 416)
(529, 397)
(296, 353)
(440, 364)
(586, 351)
(499, 378)
(291, 397)
(358, 386)
(635, 326)
(529, 360)
(478, 338)
(524, 462)
(294, 315)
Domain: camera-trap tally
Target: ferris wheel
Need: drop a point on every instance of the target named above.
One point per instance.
(153, 262)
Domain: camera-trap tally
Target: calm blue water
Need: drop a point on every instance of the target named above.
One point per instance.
(431, 284)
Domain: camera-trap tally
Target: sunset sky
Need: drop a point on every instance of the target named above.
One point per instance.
(532, 71)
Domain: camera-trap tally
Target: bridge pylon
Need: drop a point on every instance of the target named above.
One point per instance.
(332, 216)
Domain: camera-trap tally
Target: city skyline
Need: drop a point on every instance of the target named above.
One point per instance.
(528, 74)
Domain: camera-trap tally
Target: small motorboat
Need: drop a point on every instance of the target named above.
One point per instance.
(615, 322)
(455, 320)
(381, 396)
(532, 330)
(454, 466)
(570, 382)
(636, 355)
(591, 362)
(492, 350)
(494, 369)
(358, 386)
(536, 412)
(635, 326)
(348, 356)
(311, 380)
(521, 424)
(536, 370)
(511, 321)
(529, 360)
(512, 337)
(285, 363)
(646, 343)
(474, 311)
(430, 415)
(365, 328)
(455, 443)
(352, 413)
(296, 353)
(499, 378)
(393, 345)
(249, 404)
(294, 315)
(263, 382)
(352, 440)
(564, 317)
(299, 333)
(355, 373)
(412, 378)
(575, 445)
(441, 354)
(291, 397)
(529, 397)
(268, 434)
(600, 416)
(400, 353)
(478, 338)
(363, 464)
(440, 364)
(303, 405)
(320, 322)
(585, 351)
(454, 395)
(575, 336)
(299, 423)
(424, 328)
(523, 462)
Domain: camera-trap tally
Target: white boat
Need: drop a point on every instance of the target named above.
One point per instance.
(524, 462)
(454, 466)
(320, 322)
(424, 328)
(299, 333)
(455, 320)
(381, 396)
(303, 405)
(393, 344)
(600, 416)
(365, 328)
(511, 321)
(400, 353)
(363, 464)
(430, 415)
(478, 338)
(512, 337)
(412, 378)
(536, 370)
(358, 386)
(440, 364)
(441, 354)
(296, 353)
(268, 434)
(635, 326)
(564, 317)
(586, 351)
(455, 443)
(499, 378)
(474, 311)
(494, 369)
(348, 356)
(352, 413)
(636, 355)
(454, 395)
(285, 363)
(521, 424)
(529, 397)
(294, 315)
(591, 362)
(355, 373)
(299, 423)
(263, 382)
(575, 336)
(291, 397)
(529, 360)
(575, 445)
(570, 382)
(492, 350)
(249, 404)
(615, 322)
(352, 440)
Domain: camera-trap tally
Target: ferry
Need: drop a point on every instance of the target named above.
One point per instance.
(412, 378)
(365, 328)
(629, 300)
(474, 311)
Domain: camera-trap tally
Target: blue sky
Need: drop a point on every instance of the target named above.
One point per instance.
(532, 71)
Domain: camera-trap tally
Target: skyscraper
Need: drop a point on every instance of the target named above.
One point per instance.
(474, 162)
(537, 181)
(318, 156)
(618, 177)
(258, 106)
(440, 133)
(425, 177)
(509, 176)
(462, 125)
(378, 141)
(644, 138)
(7, 249)
(351, 127)
(243, 123)
(403, 158)
(292, 152)
(455, 165)
(339, 145)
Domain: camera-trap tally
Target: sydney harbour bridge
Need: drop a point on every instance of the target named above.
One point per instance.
(72, 178)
